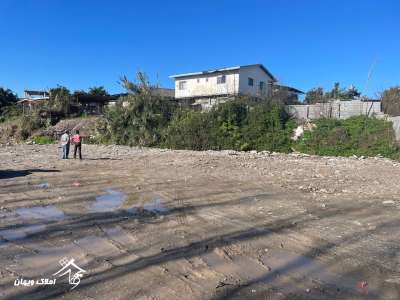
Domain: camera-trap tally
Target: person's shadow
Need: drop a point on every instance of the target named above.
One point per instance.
(6, 174)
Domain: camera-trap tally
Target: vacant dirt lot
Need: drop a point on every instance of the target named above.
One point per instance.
(154, 224)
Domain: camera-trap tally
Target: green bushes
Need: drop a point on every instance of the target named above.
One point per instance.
(139, 118)
(43, 140)
(10, 112)
(189, 130)
(144, 118)
(139, 123)
(28, 124)
(359, 136)
(236, 125)
(20, 128)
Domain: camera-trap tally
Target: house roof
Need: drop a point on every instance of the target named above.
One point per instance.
(288, 88)
(32, 101)
(36, 93)
(222, 70)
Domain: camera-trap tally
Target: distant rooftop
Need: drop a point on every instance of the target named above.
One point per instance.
(288, 88)
(35, 93)
(222, 70)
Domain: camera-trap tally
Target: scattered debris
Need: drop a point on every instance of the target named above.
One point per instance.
(44, 186)
(362, 286)
(222, 284)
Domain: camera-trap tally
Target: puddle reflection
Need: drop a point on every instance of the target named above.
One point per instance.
(111, 201)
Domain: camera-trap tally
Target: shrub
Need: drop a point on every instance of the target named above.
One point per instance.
(239, 125)
(28, 124)
(189, 130)
(354, 136)
(139, 118)
(43, 140)
(268, 128)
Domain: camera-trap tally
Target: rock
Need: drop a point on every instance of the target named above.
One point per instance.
(388, 202)
(232, 152)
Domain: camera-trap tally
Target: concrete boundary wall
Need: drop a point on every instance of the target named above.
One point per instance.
(335, 109)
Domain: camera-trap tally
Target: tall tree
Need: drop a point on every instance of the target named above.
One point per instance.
(7, 97)
(60, 99)
(351, 93)
(98, 91)
(314, 95)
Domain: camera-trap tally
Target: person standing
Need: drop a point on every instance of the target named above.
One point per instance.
(65, 142)
(77, 140)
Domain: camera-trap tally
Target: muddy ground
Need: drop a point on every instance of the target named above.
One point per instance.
(156, 224)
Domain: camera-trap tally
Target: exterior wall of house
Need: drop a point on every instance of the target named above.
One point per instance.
(258, 75)
(206, 85)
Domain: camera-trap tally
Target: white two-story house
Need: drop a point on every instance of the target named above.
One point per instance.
(207, 88)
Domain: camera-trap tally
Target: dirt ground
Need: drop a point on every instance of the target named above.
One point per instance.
(158, 224)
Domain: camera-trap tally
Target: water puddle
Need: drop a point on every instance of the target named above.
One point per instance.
(114, 200)
(49, 212)
(20, 233)
(109, 202)
(156, 206)
(133, 210)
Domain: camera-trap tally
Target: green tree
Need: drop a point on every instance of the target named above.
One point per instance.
(336, 92)
(79, 93)
(98, 91)
(60, 99)
(351, 93)
(8, 106)
(342, 94)
(7, 97)
(314, 95)
(140, 116)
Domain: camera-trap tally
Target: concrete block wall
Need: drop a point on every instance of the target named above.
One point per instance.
(335, 109)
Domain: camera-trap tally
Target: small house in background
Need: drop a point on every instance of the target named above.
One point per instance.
(33, 100)
(207, 88)
(288, 95)
(95, 104)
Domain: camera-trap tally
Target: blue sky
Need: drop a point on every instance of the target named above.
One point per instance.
(305, 44)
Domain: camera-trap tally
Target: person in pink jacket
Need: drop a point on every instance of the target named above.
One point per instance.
(77, 141)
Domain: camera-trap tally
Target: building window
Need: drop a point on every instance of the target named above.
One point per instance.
(182, 85)
(221, 79)
(206, 79)
(198, 80)
(251, 81)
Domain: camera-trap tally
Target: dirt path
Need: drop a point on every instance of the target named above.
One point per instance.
(155, 224)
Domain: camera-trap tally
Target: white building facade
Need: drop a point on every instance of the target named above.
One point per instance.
(208, 87)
